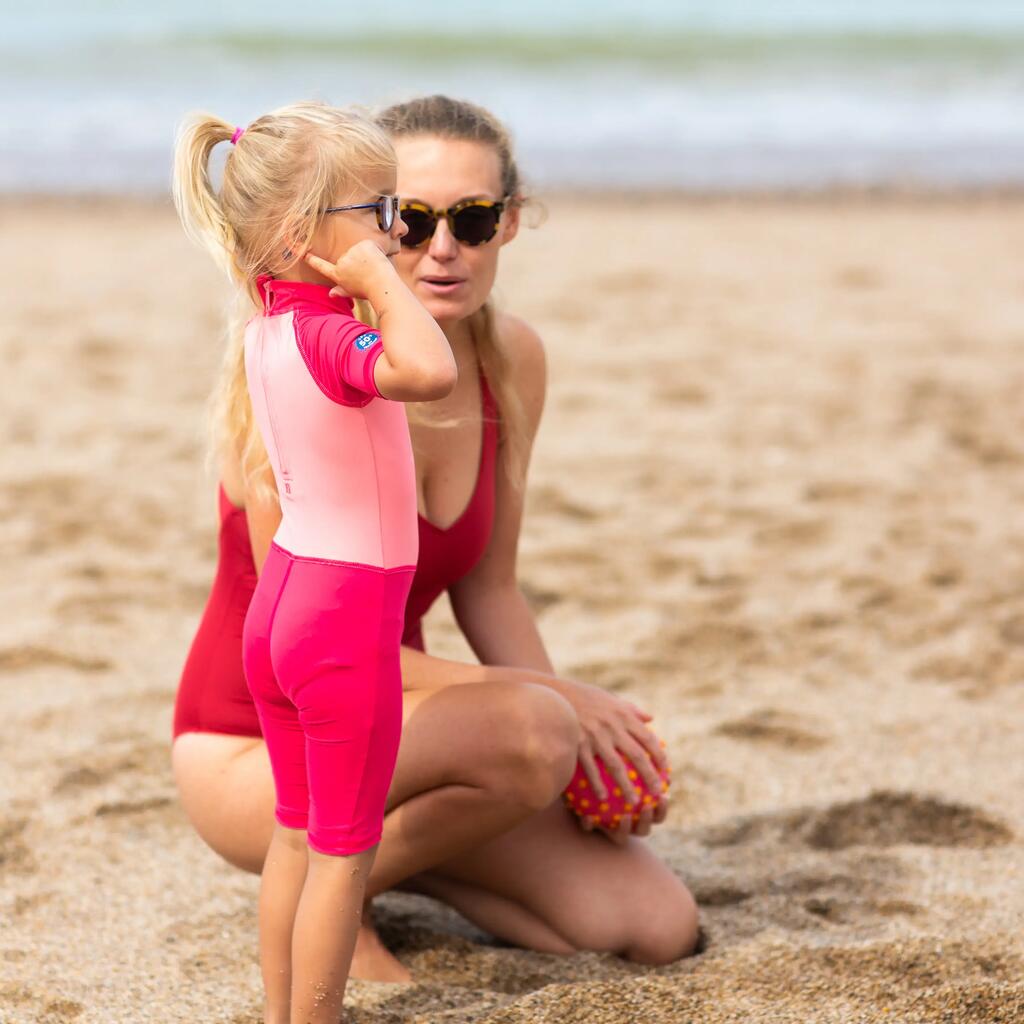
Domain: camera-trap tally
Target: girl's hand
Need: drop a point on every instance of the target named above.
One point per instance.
(356, 272)
(613, 727)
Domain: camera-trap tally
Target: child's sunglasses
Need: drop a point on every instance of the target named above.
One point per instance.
(471, 222)
(386, 207)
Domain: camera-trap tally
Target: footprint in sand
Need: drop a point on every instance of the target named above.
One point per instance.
(792, 534)
(31, 656)
(15, 855)
(551, 500)
(146, 759)
(123, 808)
(773, 728)
(52, 1011)
(882, 819)
(538, 598)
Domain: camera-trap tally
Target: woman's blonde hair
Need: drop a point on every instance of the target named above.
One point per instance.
(283, 171)
(446, 118)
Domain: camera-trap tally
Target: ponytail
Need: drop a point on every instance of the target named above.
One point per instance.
(197, 203)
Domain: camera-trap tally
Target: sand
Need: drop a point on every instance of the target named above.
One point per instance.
(776, 500)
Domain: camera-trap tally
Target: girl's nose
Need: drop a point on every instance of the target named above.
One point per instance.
(399, 228)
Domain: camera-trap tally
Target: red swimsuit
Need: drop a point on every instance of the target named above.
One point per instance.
(213, 695)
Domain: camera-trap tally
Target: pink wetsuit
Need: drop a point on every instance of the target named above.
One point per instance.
(321, 638)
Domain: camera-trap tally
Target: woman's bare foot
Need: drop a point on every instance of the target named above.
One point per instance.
(372, 961)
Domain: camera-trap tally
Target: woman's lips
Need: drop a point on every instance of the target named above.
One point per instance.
(442, 285)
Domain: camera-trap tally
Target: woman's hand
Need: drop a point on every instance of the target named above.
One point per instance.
(357, 272)
(612, 728)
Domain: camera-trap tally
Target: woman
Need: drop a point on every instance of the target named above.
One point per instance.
(473, 815)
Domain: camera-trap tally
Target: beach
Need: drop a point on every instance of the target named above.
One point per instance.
(775, 500)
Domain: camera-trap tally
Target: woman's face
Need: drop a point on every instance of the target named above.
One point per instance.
(451, 279)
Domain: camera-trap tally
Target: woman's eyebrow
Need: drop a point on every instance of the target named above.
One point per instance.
(461, 199)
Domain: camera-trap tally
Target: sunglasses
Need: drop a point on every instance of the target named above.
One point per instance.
(386, 207)
(471, 222)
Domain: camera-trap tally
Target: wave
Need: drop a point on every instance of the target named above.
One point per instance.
(683, 51)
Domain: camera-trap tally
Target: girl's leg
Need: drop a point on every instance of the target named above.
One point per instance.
(325, 935)
(284, 875)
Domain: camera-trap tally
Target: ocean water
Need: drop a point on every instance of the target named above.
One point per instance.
(730, 95)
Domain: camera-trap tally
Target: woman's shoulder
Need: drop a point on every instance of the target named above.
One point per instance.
(523, 348)
(527, 365)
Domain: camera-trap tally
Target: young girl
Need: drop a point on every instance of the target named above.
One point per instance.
(305, 220)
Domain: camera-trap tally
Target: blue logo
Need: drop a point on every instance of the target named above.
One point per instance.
(364, 341)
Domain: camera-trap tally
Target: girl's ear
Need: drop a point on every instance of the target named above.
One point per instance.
(511, 225)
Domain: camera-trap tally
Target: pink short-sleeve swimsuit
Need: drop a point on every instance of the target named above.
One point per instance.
(320, 643)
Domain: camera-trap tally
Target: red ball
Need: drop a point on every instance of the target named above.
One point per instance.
(580, 798)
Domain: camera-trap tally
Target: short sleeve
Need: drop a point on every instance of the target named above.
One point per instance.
(340, 352)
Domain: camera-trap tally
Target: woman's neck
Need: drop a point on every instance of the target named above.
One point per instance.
(460, 337)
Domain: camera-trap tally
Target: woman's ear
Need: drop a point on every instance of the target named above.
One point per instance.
(510, 228)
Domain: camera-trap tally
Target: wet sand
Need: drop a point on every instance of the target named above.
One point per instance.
(776, 500)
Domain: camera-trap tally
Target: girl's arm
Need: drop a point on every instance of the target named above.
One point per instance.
(417, 364)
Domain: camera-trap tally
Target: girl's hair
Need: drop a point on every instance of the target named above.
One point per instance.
(446, 118)
(283, 171)
(234, 430)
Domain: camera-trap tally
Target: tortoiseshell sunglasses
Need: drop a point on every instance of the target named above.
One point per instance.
(471, 221)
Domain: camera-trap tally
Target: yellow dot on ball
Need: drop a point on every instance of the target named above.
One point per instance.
(647, 798)
(570, 797)
(617, 791)
(602, 807)
(631, 773)
(628, 807)
(594, 820)
(639, 791)
(583, 783)
(664, 787)
(584, 803)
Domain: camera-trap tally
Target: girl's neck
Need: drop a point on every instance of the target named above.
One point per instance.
(303, 272)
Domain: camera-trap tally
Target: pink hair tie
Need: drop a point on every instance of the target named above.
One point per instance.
(236, 135)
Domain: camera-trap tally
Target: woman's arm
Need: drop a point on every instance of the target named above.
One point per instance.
(489, 607)
(497, 622)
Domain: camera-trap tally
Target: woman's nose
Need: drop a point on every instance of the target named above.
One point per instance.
(443, 245)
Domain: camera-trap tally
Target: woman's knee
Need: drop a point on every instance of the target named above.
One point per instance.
(537, 744)
(663, 929)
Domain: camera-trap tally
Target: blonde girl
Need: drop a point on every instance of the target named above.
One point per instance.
(305, 221)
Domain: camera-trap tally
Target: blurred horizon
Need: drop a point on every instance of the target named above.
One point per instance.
(647, 96)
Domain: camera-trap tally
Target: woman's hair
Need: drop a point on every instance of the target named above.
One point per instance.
(283, 171)
(445, 118)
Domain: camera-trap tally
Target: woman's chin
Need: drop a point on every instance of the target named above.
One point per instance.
(446, 310)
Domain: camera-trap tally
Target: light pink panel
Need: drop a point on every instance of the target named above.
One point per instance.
(344, 474)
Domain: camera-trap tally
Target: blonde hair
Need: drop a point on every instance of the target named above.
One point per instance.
(283, 171)
(460, 120)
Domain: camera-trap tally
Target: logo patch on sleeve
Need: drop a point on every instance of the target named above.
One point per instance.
(364, 341)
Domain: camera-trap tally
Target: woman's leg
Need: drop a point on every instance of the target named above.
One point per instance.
(550, 886)
(474, 760)
(546, 870)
